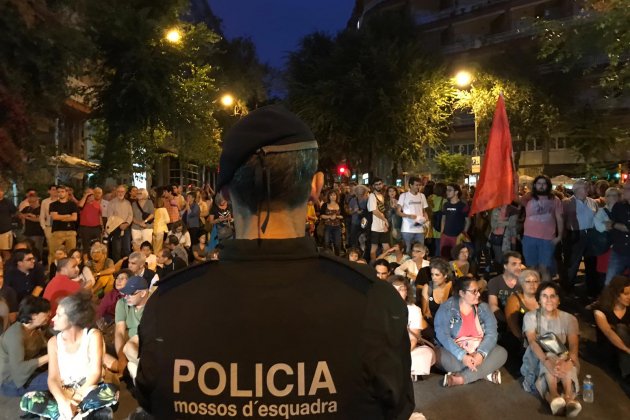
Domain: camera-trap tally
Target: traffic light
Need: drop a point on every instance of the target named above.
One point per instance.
(624, 178)
(342, 170)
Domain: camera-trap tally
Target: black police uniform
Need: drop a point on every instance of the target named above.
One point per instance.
(275, 330)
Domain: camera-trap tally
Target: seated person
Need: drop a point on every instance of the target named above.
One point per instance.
(22, 275)
(183, 236)
(59, 254)
(543, 371)
(86, 278)
(396, 254)
(23, 350)
(466, 333)
(436, 292)
(107, 307)
(128, 314)
(168, 263)
(136, 264)
(354, 254)
(613, 324)
(9, 298)
(176, 248)
(460, 263)
(410, 268)
(65, 283)
(147, 250)
(4, 315)
(521, 302)
(75, 366)
(422, 355)
(502, 286)
(200, 250)
(382, 269)
(102, 268)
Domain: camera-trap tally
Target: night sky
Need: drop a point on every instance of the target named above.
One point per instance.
(276, 26)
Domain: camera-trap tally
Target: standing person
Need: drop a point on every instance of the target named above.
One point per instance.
(544, 227)
(90, 220)
(394, 220)
(436, 204)
(64, 214)
(380, 226)
(455, 220)
(579, 214)
(120, 237)
(503, 232)
(143, 215)
(603, 225)
(32, 229)
(412, 207)
(620, 234)
(360, 194)
(7, 212)
(45, 221)
(334, 313)
(160, 226)
(332, 217)
(191, 217)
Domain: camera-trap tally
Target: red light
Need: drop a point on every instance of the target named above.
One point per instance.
(342, 170)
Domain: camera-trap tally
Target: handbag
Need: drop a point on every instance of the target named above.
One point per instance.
(549, 342)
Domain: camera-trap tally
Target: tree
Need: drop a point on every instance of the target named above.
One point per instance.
(453, 167)
(370, 93)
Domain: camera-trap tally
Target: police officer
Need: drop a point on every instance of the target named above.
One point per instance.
(274, 329)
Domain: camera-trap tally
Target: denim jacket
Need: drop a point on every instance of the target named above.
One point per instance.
(448, 322)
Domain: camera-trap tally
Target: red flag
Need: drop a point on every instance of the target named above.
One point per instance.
(496, 185)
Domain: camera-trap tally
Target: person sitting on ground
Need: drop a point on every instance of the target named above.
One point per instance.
(136, 264)
(181, 233)
(354, 254)
(128, 314)
(168, 263)
(22, 276)
(396, 254)
(461, 261)
(176, 248)
(65, 283)
(521, 301)
(382, 269)
(149, 257)
(501, 287)
(200, 252)
(52, 269)
(435, 293)
(102, 268)
(543, 371)
(411, 267)
(23, 350)
(466, 333)
(85, 278)
(613, 325)
(75, 366)
(107, 307)
(422, 355)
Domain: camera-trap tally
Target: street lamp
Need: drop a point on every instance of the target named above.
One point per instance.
(174, 36)
(464, 80)
(227, 100)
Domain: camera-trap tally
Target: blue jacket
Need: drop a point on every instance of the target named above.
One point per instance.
(448, 322)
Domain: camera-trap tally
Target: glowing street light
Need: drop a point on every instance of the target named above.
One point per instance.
(227, 100)
(463, 79)
(174, 36)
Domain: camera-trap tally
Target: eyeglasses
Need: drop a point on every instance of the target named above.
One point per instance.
(417, 250)
(531, 282)
(474, 291)
(29, 259)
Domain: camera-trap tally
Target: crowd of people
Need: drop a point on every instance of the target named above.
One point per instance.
(481, 290)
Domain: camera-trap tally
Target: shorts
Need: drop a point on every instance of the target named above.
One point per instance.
(379, 238)
(6, 241)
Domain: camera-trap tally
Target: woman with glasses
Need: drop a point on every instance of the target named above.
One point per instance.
(521, 302)
(545, 371)
(466, 332)
(422, 355)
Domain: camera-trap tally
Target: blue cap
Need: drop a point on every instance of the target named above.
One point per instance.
(134, 284)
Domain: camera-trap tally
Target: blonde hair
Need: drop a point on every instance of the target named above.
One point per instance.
(97, 246)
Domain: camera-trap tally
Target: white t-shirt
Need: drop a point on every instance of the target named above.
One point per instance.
(412, 204)
(377, 224)
(414, 317)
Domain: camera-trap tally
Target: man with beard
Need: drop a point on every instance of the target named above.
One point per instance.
(544, 226)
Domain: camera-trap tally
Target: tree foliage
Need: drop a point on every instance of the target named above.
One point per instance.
(369, 93)
(453, 167)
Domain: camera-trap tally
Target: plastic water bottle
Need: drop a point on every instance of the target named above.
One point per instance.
(588, 394)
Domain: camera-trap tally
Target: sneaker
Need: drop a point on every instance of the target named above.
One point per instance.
(573, 408)
(557, 405)
(417, 416)
(494, 377)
